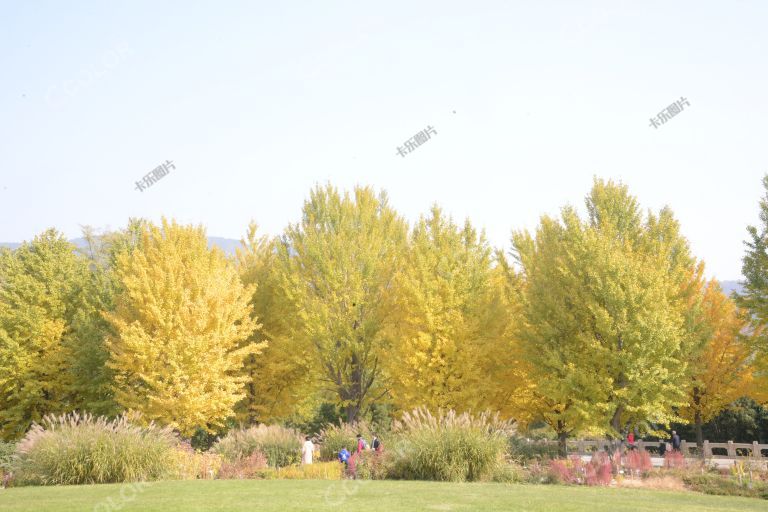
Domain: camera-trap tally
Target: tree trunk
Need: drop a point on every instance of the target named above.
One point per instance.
(699, 433)
(352, 411)
(616, 420)
(562, 437)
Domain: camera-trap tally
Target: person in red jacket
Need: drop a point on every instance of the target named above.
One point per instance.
(360, 443)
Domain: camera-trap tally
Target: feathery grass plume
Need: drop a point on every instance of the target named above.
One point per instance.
(280, 445)
(83, 449)
(449, 446)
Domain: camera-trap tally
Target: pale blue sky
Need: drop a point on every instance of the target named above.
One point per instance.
(255, 102)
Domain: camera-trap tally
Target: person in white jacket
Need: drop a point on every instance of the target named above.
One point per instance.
(307, 451)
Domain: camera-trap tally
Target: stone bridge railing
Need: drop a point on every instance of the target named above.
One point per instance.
(729, 450)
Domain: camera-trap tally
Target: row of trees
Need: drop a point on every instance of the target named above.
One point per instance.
(597, 324)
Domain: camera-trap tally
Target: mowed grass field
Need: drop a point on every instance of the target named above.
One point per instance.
(374, 496)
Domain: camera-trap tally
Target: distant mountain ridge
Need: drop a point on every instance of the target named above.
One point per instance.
(731, 286)
(228, 245)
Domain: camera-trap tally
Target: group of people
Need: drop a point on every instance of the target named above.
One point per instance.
(308, 449)
(674, 443)
(362, 445)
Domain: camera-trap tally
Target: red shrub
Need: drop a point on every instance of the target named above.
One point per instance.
(599, 471)
(562, 471)
(674, 459)
(638, 461)
(247, 467)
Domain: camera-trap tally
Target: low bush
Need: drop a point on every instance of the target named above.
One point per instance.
(522, 450)
(335, 437)
(598, 471)
(448, 447)
(82, 449)
(658, 483)
(253, 466)
(566, 471)
(7, 451)
(317, 471)
(710, 483)
(370, 465)
(537, 473)
(509, 474)
(194, 465)
(280, 445)
(638, 462)
(674, 459)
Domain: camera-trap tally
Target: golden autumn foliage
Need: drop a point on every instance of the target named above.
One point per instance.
(440, 290)
(278, 379)
(450, 324)
(722, 370)
(602, 323)
(182, 321)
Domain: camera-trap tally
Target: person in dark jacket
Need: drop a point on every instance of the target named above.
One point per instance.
(675, 441)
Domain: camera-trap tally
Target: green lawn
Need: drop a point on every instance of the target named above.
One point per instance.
(383, 496)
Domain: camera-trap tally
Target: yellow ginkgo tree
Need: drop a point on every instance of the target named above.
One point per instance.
(182, 326)
(279, 379)
(445, 276)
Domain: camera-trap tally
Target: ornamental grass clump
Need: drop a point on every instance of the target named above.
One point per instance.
(280, 445)
(448, 446)
(83, 449)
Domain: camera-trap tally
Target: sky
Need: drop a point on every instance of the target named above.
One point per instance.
(255, 103)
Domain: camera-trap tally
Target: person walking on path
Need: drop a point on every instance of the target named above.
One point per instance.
(307, 451)
(361, 444)
(344, 456)
(376, 444)
(675, 442)
(631, 440)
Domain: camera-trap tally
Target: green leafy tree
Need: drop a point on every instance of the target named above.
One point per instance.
(605, 333)
(336, 269)
(40, 296)
(754, 298)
